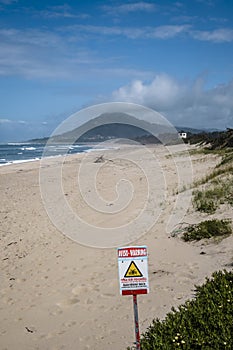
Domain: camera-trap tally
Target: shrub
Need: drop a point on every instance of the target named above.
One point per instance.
(204, 323)
(219, 192)
(207, 229)
(207, 200)
(203, 203)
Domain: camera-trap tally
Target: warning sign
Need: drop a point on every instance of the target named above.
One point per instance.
(133, 270)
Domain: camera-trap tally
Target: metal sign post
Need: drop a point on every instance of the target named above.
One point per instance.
(136, 321)
(133, 277)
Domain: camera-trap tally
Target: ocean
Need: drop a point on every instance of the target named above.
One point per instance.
(25, 152)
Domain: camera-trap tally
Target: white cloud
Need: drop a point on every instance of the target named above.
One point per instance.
(43, 55)
(128, 8)
(37, 53)
(62, 53)
(217, 35)
(36, 37)
(162, 91)
(5, 121)
(62, 11)
(40, 54)
(160, 32)
(166, 32)
(184, 103)
(9, 121)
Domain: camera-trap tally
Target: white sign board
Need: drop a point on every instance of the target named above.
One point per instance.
(133, 270)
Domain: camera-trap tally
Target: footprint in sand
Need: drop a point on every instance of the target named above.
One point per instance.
(56, 312)
(110, 295)
(80, 290)
(68, 302)
(69, 324)
(89, 301)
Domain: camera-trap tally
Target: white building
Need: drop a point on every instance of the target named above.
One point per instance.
(183, 135)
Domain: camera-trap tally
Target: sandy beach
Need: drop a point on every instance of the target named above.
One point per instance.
(58, 294)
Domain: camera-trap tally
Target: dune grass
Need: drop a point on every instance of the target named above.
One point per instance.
(218, 191)
(218, 185)
(207, 229)
(226, 159)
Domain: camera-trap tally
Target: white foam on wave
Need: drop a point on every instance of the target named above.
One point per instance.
(28, 148)
(100, 149)
(25, 160)
(20, 161)
(17, 143)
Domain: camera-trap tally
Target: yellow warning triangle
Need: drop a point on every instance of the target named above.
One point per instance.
(133, 271)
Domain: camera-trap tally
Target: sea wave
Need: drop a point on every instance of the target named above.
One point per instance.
(16, 153)
(28, 148)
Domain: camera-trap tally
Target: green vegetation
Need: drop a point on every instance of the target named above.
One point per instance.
(203, 201)
(220, 191)
(214, 140)
(207, 150)
(215, 173)
(204, 323)
(218, 185)
(227, 158)
(207, 229)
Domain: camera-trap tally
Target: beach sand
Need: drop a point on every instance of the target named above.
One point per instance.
(58, 294)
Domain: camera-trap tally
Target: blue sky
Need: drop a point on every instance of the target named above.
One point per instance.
(57, 57)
